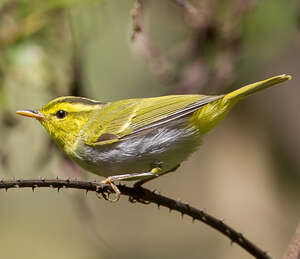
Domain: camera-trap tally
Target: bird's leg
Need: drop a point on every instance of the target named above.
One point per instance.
(143, 181)
(155, 172)
(134, 176)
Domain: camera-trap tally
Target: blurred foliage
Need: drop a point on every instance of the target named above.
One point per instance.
(249, 167)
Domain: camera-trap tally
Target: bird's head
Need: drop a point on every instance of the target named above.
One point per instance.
(65, 118)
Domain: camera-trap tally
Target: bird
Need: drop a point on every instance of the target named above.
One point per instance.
(136, 139)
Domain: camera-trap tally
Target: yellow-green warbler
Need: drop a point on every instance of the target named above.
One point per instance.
(136, 139)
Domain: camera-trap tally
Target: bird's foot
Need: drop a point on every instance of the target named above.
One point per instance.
(106, 194)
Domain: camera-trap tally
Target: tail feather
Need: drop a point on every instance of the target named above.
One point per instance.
(255, 87)
(212, 113)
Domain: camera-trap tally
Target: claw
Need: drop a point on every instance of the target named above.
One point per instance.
(114, 187)
(101, 194)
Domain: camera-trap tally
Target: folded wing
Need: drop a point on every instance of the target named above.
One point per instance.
(126, 118)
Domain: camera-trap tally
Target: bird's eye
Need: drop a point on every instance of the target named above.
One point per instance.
(60, 114)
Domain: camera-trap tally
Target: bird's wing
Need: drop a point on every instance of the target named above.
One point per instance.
(126, 118)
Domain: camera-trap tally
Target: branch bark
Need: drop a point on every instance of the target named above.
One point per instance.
(145, 196)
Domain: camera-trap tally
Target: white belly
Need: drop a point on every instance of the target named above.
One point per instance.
(165, 146)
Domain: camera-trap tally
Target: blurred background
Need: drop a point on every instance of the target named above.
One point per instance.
(246, 171)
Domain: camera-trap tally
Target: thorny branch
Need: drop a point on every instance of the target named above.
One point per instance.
(145, 196)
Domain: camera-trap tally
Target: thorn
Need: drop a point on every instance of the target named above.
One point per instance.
(158, 205)
(6, 189)
(131, 199)
(241, 238)
(34, 186)
(193, 220)
(86, 192)
(156, 192)
(170, 209)
(58, 188)
(182, 214)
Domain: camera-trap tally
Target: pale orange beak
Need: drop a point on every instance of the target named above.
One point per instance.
(30, 113)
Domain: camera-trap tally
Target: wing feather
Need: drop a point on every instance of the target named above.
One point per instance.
(128, 117)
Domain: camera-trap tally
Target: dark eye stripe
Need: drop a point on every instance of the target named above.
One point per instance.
(60, 114)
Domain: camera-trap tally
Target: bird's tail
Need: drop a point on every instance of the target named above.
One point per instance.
(212, 113)
(255, 87)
